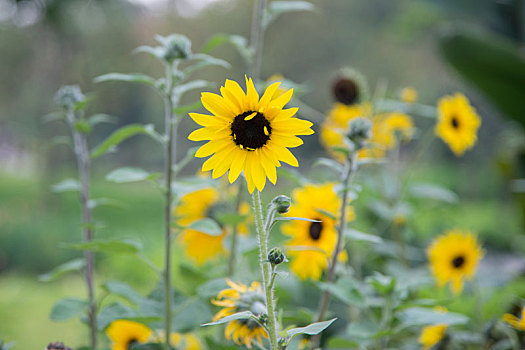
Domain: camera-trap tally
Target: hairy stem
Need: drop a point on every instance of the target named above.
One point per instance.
(350, 169)
(83, 163)
(235, 233)
(262, 235)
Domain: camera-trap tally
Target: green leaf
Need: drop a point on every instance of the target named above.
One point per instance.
(243, 315)
(493, 64)
(183, 110)
(207, 226)
(123, 290)
(238, 42)
(329, 163)
(112, 312)
(203, 61)
(108, 246)
(82, 126)
(68, 308)
(420, 316)
(100, 202)
(311, 329)
(70, 266)
(132, 77)
(66, 186)
(346, 291)
(191, 316)
(326, 213)
(179, 90)
(361, 236)
(51, 117)
(122, 134)
(277, 8)
(288, 218)
(430, 191)
(230, 218)
(126, 174)
(100, 118)
(211, 288)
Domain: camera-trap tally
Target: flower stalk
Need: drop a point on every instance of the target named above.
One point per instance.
(235, 232)
(266, 269)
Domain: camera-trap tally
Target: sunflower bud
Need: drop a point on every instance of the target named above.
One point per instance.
(283, 343)
(350, 87)
(176, 46)
(281, 203)
(57, 346)
(69, 96)
(276, 256)
(263, 318)
(360, 130)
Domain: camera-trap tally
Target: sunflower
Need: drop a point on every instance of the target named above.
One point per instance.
(312, 243)
(515, 322)
(453, 257)
(458, 123)
(199, 246)
(124, 333)
(248, 133)
(238, 298)
(186, 341)
(408, 95)
(431, 335)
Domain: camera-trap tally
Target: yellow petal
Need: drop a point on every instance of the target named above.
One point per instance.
(251, 93)
(282, 100)
(237, 165)
(206, 120)
(268, 94)
(258, 174)
(216, 105)
(211, 147)
(202, 134)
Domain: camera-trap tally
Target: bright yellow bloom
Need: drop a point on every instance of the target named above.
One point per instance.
(123, 333)
(408, 95)
(458, 123)
(312, 243)
(518, 323)
(431, 335)
(240, 298)
(187, 341)
(247, 133)
(274, 79)
(453, 257)
(200, 247)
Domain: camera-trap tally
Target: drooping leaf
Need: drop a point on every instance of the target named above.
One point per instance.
(243, 315)
(238, 42)
(68, 308)
(311, 329)
(131, 77)
(290, 218)
(127, 174)
(108, 246)
(435, 192)
(66, 186)
(420, 316)
(192, 315)
(277, 8)
(361, 236)
(329, 163)
(122, 134)
(207, 226)
(181, 89)
(204, 60)
(346, 291)
(100, 118)
(59, 271)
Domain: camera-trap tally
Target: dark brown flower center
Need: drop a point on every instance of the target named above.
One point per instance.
(250, 130)
(455, 122)
(131, 342)
(458, 261)
(316, 228)
(346, 91)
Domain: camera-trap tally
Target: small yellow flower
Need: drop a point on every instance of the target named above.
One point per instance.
(458, 123)
(247, 133)
(431, 335)
(199, 246)
(454, 256)
(186, 341)
(408, 95)
(238, 298)
(124, 333)
(515, 322)
(312, 243)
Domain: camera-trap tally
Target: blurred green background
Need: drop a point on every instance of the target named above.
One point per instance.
(47, 43)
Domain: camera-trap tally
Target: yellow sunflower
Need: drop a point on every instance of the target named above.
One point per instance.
(515, 322)
(199, 246)
(431, 335)
(186, 341)
(408, 95)
(124, 333)
(453, 257)
(248, 133)
(238, 298)
(313, 243)
(458, 123)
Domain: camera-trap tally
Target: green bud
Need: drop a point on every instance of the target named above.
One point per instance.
(176, 46)
(281, 203)
(69, 96)
(282, 343)
(276, 256)
(263, 318)
(360, 130)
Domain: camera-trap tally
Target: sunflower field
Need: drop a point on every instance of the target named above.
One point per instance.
(265, 174)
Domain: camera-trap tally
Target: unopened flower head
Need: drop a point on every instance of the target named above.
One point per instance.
(176, 46)
(281, 203)
(359, 131)
(69, 96)
(276, 256)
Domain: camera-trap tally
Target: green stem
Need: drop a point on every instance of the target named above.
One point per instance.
(235, 233)
(265, 268)
(257, 37)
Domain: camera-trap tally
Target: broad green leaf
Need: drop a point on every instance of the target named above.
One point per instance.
(68, 308)
(179, 90)
(70, 266)
(277, 8)
(191, 316)
(132, 77)
(112, 312)
(156, 51)
(211, 288)
(239, 42)
(243, 315)
(493, 64)
(290, 218)
(361, 236)
(203, 61)
(66, 186)
(108, 246)
(100, 202)
(345, 291)
(100, 118)
(420, 316)
(382, 284)
(122, 134)
(311, 329)
(329, 163)
(183, 110)
(207, 226)
(230, 218)
(82, 126)
(341, 343)
(123, 290)
(430, 191)
(126, 174)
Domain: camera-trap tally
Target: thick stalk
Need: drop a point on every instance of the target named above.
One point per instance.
(262, 234)
(235, 233)
(83, 163)
(170, 135)
(350, 169)
(257, 37)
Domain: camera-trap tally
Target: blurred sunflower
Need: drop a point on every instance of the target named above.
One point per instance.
(515, 322)
(453, 257)
(186, 341)
(458, 123)
(248, 133)
(408, 95)
(312, 243)
(431, 335)
(124, 333)
(238, 298)
(199, 246)
(244, 227)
